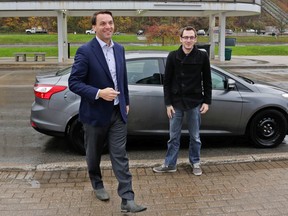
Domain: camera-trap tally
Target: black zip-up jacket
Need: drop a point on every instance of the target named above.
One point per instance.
(187, 80)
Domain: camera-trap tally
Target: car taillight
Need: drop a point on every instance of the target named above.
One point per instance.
(33, 124)
(46, 91)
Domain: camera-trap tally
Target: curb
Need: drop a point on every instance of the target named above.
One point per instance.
(81, 165)
(34, 66)
(252, 66)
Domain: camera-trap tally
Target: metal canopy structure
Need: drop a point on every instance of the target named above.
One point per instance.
(175, 8)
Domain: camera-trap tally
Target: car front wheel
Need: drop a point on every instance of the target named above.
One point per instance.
(268, 128)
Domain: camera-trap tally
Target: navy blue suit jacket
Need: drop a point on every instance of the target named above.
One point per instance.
(90, 73)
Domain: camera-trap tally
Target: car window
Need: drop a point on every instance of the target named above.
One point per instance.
(143, 71)
(217, 80)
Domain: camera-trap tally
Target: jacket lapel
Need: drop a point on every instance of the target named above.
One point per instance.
(97, 50)
(117, 55)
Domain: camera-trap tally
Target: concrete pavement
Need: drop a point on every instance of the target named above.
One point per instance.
(254, 61)
(240, 185)
(239, 189)
(236, 61)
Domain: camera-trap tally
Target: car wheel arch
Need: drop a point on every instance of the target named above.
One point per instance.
(272, 113)
(74, 133)
(68, 125)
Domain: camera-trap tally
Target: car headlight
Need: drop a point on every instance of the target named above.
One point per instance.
(285, 95)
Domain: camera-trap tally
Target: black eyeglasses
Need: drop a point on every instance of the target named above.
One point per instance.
(187, 37)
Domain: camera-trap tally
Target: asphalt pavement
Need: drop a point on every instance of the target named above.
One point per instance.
(247, 184)
(273, 62)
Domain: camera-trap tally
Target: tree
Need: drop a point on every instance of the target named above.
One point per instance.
(162, 33)
(78, 24)
(12, 24)
(123, 24)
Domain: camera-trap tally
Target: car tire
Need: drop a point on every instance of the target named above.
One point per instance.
(268, 128)
(76, 136)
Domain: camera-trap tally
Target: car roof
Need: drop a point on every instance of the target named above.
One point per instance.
(145, 54)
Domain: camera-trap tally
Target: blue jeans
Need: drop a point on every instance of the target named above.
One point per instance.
(193, 117)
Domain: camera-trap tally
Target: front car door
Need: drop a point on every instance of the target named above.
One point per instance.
(225, 112)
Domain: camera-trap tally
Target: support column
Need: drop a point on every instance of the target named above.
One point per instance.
(222, 27)
(212, 36)
(62, 36)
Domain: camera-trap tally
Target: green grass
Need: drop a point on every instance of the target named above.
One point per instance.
(259, 50)
(124, 38)
(27, 39)
(52, 51)
(53, 38)
(236, 50)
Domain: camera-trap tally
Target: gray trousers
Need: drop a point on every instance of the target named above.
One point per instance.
(115, 136)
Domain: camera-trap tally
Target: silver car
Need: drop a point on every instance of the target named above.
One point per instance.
(239, 105)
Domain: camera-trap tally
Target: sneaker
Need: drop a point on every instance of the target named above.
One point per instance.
(163, 168)
(197, 169)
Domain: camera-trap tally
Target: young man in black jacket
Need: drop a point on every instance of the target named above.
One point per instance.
(187, 90)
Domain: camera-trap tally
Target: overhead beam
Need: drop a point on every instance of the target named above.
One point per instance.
(127, 8)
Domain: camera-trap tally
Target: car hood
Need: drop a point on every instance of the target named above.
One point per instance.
(271, 89)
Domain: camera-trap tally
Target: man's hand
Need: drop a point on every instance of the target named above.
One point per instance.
(127, 109)
(170, 111)
(108, 94)
(204, 108)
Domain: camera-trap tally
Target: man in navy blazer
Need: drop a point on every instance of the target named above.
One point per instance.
(99, 76)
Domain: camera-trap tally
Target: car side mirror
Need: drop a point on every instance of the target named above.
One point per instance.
(229, 84)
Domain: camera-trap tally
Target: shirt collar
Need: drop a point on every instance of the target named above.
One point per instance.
(103, 44)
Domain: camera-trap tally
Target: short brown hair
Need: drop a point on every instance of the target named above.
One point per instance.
(94, 17)
(188, 28)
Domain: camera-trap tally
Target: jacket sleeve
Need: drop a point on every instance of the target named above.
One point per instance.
(207, 82)
(79, 75)
(168, 78)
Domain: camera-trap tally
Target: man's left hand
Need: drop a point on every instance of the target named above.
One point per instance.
(127, 109)
(204, 108)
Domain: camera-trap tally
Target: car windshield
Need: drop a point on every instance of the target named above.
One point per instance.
(64, 71)
(247, 79)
